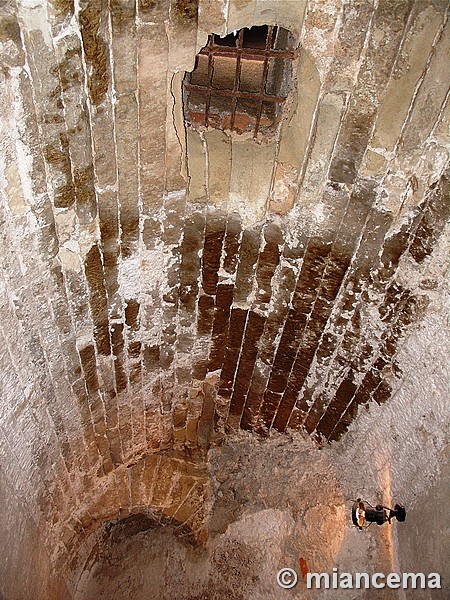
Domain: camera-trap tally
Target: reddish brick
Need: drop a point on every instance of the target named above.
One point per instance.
(235, 336)
(224, 298)
(89, 363)
(205, 315)
(132, 313)
(253, 332)
(212, 251)
(435, 217)
(97, 298)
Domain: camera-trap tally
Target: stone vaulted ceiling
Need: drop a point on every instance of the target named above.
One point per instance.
(162, 286)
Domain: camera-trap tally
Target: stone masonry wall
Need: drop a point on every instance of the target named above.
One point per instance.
(161, 288)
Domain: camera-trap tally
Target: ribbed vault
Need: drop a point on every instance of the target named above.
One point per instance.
(163, 287)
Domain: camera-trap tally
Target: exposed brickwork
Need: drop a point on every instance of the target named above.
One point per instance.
(160, 290)
(95, 49)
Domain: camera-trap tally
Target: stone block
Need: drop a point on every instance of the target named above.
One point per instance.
(92, 18)
(405, 77)
(196, 161)
(218, 145)
(152, 84)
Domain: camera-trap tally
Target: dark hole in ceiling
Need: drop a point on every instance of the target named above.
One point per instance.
(241, 81)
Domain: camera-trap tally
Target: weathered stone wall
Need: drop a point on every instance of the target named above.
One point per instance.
(161, 288)
(283, 498)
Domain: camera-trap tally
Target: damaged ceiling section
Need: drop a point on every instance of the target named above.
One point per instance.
(218, 219)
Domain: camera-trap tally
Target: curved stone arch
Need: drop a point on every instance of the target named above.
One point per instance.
(138, 520)
(170, 491)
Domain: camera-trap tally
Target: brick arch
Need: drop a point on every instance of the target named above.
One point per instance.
(169, 491)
